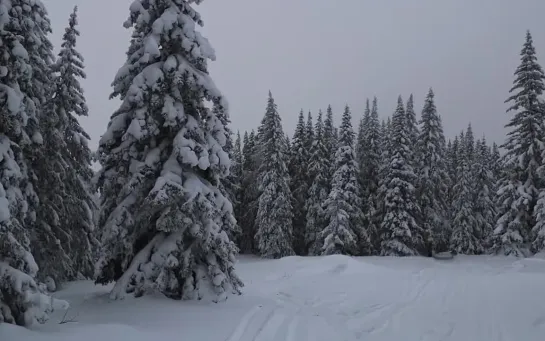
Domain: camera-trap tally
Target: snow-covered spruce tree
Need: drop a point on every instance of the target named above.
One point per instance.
(412, 124)
(309, 132)
(432, 177)
(359, 139)
(385, 132)
(274, 236)
(298, 169)
(466, 238)
(360, 146)
(309, 140)
(250, 194)
(163, 215)
(29, 20)
(229, 185)
(522, 181)
(345, 233)
(401, 235)
(452, 167)
(66, 216)
(318, 191)
(235, 176)
(369, 174)
(330, 141)
(484, 208)
(496, 162)
(469, 144)
(22, 300)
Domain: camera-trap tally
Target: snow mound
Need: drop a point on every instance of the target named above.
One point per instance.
(335, 265)
(339, 264)
(538, 256)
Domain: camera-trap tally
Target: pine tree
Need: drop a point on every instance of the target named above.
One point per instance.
(274, 235)
(164, 220)
(412, 124)
(484, 208)
(236, 174)
(470, 144)
(23, 25)
(309, 133)
(522, 182)
(452, 166)
(344, 233)
(385, 132)
(369, 174)
(318, 191)
(330, 144)
(250, 194)
(309, 141)
(401, 235)
(465, 237)
(361, 139)
(495, 161)
(67, 206)
(432, 177)
(298, 169)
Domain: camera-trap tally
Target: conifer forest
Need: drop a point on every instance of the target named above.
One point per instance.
(175, 193)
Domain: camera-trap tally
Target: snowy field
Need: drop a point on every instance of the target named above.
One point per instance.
(333, 298)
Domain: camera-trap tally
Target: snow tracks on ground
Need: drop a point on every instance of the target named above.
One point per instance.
(344, 298)
(323, 299)
(288, 321)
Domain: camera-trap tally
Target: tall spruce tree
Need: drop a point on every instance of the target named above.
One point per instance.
(67, 206)
(345, 233)
(496, 162)
(361, 139)
(385, 132)
(24, 56)
(484, 208)
(250, 193)
(164, 219)
(401, 234)
(298, 168)
(309, 141)
(318, 191)
(330, 144)
(465, 237)
(412, 124)
(236, 173)
(30, 20)
(522, 181)
(452, 163)
(369, 174)
(470, 144)
(309, 133)
(274, 236)
(432, 177)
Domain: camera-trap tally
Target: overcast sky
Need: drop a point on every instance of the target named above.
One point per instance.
(311, 53)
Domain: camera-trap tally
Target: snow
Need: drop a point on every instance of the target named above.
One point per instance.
(324, 298)
(13, 100)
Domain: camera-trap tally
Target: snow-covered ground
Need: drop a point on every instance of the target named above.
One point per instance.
(325, 298)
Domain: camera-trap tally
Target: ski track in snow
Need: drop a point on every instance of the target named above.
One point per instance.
(330, 298)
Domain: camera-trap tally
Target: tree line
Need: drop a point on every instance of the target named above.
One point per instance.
(396, 186)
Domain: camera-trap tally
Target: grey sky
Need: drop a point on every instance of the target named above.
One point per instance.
(312, 53)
